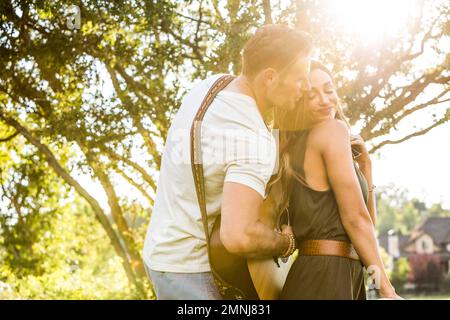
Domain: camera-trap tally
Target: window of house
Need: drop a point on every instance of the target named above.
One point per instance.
(425, 245)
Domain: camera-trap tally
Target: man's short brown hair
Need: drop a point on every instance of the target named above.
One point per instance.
(274, 46)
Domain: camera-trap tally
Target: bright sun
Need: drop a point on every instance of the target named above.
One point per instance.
(371, 19)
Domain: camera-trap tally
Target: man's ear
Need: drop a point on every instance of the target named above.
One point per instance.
(270, 77)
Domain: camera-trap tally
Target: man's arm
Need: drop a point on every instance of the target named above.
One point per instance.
(242, 231)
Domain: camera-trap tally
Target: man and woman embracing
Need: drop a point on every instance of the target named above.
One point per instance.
(231, 189)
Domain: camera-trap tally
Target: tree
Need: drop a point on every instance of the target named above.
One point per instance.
(426, 271)
(400, 273)
(50, 94)
(436, 210)
(398, 211)
(76, 260)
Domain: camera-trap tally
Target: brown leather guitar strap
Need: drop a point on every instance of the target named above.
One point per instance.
(197, 166)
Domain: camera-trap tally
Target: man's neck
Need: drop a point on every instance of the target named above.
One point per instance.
(244, 86)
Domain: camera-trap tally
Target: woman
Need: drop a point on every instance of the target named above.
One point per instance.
(329, 198)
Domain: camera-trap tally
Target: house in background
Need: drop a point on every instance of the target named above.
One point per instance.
(432, 237)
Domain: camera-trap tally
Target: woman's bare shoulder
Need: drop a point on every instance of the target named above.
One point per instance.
(332, 130)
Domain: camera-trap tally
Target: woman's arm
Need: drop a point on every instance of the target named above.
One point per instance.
(365, 165)
(333, 143)
(371, 203)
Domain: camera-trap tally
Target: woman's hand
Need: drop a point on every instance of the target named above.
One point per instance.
(389, 294)
(359, 150)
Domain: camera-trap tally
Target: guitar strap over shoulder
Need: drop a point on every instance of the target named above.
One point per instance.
(197, 167)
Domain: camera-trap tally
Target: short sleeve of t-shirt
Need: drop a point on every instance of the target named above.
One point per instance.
(235, 137)
(252, 163)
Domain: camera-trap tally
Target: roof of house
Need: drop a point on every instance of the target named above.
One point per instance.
(438, 228)
(447, 237)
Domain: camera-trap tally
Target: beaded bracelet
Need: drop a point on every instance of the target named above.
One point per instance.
(290, 250)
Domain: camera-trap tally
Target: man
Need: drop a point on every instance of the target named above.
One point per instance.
(275, 65)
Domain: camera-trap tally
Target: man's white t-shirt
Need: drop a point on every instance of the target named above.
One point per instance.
(237, 147)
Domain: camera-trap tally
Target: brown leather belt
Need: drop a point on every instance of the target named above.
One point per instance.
(327, 248)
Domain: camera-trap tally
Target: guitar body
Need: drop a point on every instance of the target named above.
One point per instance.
(268, 279)
(231, 269)
(268, 276)
(253, 278)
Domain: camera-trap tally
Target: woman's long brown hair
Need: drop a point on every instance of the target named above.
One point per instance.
(288, 122)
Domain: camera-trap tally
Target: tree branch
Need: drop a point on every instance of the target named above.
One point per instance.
(194, 19)
(218, 14)
(146, 176)
(393, 121)
(415, 134)
(10, 137)
(407, 95)
(138, 186)
(267, 12)
(149, 143)
(116, 212)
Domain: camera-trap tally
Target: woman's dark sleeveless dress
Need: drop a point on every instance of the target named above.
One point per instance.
(314, 216)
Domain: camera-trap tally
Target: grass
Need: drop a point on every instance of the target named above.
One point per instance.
(427, 297)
